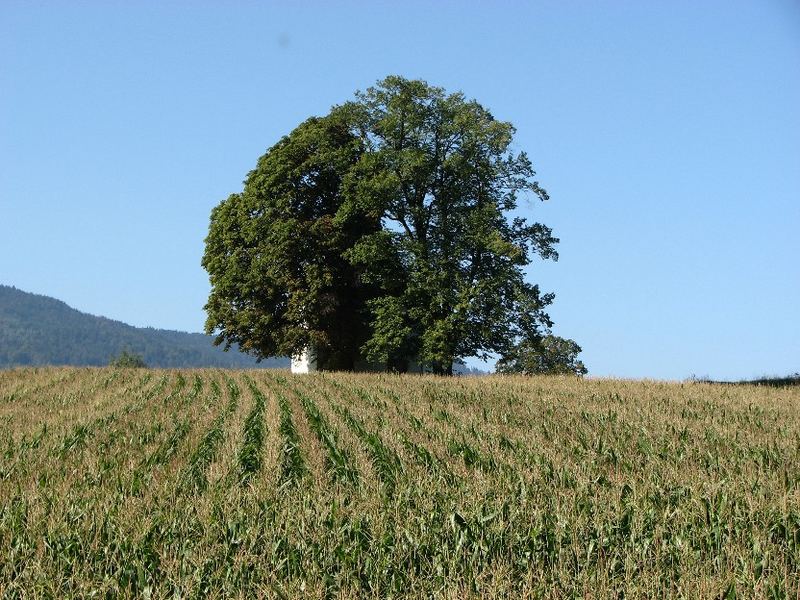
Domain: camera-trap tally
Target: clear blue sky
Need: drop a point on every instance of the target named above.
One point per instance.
(667, 134)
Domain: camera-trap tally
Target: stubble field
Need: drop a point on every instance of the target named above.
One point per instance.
(167, 484)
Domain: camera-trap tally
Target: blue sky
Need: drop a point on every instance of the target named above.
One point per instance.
(667, 134)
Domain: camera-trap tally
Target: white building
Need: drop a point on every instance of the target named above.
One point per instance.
(305, 363)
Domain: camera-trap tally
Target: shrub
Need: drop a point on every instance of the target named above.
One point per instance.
(128, 360)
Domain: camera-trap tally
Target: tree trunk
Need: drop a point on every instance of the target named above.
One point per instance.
(397, 365)
(443, 369)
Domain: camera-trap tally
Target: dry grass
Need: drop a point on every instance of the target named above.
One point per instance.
(261, 484)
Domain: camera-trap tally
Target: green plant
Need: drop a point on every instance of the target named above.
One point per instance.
(128, 360)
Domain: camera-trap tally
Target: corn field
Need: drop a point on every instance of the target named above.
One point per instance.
(242, 484)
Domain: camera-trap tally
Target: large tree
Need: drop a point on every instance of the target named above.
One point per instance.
(387, 230)
(439, 171)
(275, 251)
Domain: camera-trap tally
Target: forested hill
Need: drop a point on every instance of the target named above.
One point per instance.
(38, 330)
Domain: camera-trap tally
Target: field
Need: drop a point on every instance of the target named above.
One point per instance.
(165, 484)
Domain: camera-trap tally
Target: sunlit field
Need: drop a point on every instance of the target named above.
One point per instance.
(128, 483)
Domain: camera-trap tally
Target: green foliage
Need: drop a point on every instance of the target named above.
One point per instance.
(384, 229)
(547, 355)
(440, 172)
(274, 252)
(128, 360)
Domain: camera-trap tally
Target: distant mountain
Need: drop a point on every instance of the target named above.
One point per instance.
(38, 330)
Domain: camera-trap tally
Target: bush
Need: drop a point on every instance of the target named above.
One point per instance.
(128, 360)
(549, 355)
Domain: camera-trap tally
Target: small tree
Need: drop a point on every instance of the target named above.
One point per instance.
(548, 355)
(128, 360)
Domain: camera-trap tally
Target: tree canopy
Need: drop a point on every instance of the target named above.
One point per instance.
(386, 230)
